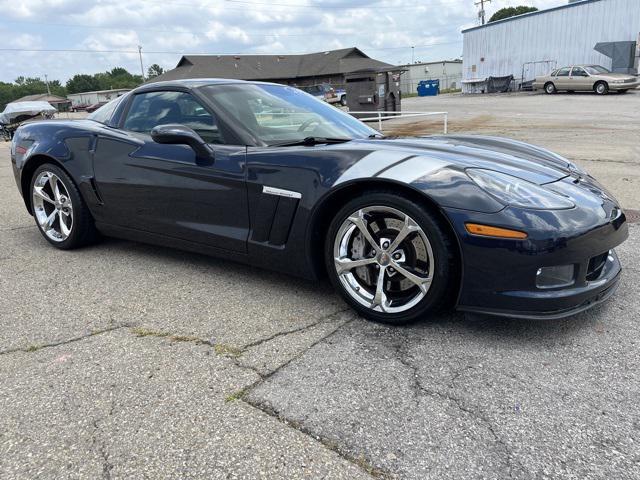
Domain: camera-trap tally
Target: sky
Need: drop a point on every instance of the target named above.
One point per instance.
(102, 34)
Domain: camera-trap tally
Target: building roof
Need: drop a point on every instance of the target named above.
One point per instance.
(42, 97)
(530, 14)
(455, 60)
(101, 91)
(271, 67)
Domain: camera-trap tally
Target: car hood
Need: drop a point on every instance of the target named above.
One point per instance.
(616, 76)
(512, 157)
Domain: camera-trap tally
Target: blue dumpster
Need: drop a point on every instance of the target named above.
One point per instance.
(428, 88)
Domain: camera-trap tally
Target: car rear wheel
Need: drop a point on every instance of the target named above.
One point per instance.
(550, 88)
(601, 88)
(343, 100)
(59, 211)
(389, 258)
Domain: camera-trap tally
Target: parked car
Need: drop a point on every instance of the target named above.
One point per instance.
(584, 78)
(341, 93)
(322, 91)
(15, 113)
(267, 175)
(94, 107)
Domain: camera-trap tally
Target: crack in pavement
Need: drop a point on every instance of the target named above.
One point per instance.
(36, 347)
(99, 446)
(419, 389)
(107, 465)
(360, 462)
(322, 319)
(22, 227)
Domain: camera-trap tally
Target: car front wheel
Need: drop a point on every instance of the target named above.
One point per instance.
(60, 212)
(550, 88)
(389, 258)
(601, 88)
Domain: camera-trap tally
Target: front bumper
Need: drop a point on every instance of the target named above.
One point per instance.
(499, 275)
(624, 86)
(579, 298)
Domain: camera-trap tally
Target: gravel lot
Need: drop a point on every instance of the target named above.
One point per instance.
(130, 361)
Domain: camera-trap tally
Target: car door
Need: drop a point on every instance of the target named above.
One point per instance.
(561, 80)
(579, 80)
(164, 189)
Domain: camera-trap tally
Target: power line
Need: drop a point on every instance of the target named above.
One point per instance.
(178, 32)
(79, 50)
(375, 5)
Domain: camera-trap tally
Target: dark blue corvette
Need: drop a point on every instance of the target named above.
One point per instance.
(268, 175)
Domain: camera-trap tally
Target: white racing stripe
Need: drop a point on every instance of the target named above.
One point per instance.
(413, 168)
(371, 164)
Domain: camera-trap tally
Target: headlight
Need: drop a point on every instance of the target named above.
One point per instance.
(517, 192)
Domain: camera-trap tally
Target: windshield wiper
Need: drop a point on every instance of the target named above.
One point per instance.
(376, 135)
(310, 141)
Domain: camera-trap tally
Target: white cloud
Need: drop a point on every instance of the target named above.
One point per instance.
(384, 29)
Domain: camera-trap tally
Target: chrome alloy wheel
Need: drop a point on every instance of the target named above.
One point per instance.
(52, 206)
(383, 259)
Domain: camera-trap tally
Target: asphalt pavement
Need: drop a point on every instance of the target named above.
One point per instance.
(124, 360)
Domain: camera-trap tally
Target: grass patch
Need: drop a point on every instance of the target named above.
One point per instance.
(145, 332)
(219, 348)
(235, 396)
(227, 350)
(33, 348)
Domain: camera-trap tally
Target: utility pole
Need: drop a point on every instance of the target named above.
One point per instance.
(481, 12)
(141, 67)
(412, 54)
(46, 80)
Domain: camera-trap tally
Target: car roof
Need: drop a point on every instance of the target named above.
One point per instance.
(197, 82)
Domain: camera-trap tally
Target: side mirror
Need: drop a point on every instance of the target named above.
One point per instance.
(176, 134)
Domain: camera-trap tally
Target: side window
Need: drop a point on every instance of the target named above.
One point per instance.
(160, 108)
(564, 72)
(105, 112)
(578, 72)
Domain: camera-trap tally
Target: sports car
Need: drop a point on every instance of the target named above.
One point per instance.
(268, 175)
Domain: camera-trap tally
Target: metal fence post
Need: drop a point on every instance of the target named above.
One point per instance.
(379, 121)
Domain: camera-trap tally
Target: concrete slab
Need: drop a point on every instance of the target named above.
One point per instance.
(116, 405)
(477, 397)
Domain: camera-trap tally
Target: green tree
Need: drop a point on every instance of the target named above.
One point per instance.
(118, 72)
(22, 86)
(82, 83)
(511, 12)
(154, 70)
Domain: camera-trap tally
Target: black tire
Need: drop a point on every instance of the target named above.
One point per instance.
(444, 286)
(343, 100)
(550, 88)
(83, 231)
(601, 88)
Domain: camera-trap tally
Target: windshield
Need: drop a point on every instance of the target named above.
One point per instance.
(104, 113)
(276, 114)
(596, 69)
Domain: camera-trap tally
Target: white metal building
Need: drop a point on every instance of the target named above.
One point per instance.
(91, 98)
(535, 43)
(449, 72)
